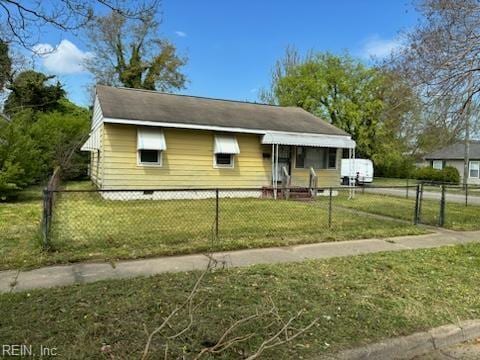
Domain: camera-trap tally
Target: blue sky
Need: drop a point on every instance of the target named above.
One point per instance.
(232, 45)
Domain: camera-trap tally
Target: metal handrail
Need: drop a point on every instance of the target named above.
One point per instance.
(286, 182)
(313, 182)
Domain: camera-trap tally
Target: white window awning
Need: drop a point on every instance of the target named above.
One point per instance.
(315, 140)
(225, 144)
(93, 142)
(150, 139)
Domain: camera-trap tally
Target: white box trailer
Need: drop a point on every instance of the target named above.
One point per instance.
(359, 170)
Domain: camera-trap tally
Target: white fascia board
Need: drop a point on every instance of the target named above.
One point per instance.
(183, 126)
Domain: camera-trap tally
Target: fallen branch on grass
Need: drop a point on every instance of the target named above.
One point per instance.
(285, 333)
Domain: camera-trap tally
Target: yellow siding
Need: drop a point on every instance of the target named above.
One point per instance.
(188, 162)
(326, 177)
(93, 167)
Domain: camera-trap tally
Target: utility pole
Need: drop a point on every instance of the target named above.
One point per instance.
(466, 115)
(467, 148)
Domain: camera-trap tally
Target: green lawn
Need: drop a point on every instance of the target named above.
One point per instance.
(20, 229)
(358, 300)
(457, 216)
(87, 227)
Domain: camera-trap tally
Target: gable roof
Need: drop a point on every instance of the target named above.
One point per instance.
(456, 152)
(153, 106)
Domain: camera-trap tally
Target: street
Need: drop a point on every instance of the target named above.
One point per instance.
(427, 195)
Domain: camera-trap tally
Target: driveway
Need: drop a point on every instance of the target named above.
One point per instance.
(429, 195)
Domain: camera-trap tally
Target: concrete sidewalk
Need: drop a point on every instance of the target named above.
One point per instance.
(13, 281)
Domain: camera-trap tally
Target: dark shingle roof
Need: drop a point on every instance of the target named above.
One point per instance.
(133, 104)
(456, 152)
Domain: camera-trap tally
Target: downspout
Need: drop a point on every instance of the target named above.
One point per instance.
(354, 185)
(276, 173)
(350, 172)
(273, 164)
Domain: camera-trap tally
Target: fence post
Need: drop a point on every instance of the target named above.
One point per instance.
(441, 220)
(216, 213)
(466, 194)
(416, 215)
(330, 209)
(407, 188)
(46, 217)
(420, 204)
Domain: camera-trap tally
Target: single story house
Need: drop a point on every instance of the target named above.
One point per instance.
(454, 155)
(147, 140)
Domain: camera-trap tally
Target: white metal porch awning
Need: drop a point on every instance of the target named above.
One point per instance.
(315, 140)
(226, 144)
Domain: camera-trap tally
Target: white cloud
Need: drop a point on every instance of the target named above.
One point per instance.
(379, 48)
(66, 58)
(181, 33)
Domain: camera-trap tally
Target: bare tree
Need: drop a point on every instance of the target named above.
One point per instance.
(22, 22)
(131, 53)
(442, 58)
(280, 330)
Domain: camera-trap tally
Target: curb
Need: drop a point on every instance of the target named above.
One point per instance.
(407, 347)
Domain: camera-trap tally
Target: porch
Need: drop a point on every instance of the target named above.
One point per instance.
(302, 163)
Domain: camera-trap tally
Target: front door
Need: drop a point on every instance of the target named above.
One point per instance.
(284, 155)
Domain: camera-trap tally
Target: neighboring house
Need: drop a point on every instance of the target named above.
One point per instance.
(453, 155)
(151, 140)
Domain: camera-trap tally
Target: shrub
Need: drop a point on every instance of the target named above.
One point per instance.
(35, 142)
(393, 165)
(451, 175)
(448, 174)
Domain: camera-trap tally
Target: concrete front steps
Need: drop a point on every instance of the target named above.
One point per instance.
(293, 193)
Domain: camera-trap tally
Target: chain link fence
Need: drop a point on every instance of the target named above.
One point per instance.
(218, 219)
(213, 218)
(452, 206)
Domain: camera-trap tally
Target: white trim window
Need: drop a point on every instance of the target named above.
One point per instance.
(224, 161)
(437, 164)
(315, 157)
(225, 147)
(150, 146)
(474, 169)
(150, 157)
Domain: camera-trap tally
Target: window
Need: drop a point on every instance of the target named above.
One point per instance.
(225, 147)
(150, 146)
(224, 160)
(437, 164)
(318, 158)
(474, 169)
(150, 157)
